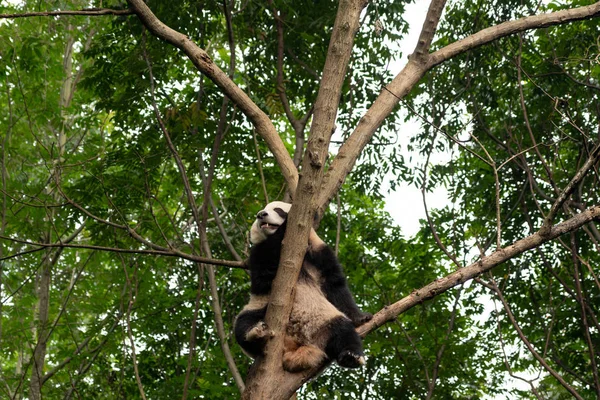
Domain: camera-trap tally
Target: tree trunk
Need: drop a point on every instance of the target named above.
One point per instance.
(41, 331)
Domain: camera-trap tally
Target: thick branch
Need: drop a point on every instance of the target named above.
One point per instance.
(429, 27)
(267, 378)
(490, 34)
(205, 65)
(485, 264)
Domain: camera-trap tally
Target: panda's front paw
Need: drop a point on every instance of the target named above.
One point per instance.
(361, 318)
(259, 331)
(349, 359)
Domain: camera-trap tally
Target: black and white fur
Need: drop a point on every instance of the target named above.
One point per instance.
(324, 312)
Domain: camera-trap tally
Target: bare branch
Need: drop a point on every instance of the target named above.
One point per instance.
(85, 11)
(490, 34)
(163, 252)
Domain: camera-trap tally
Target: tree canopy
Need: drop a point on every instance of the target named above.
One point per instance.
(138, 141)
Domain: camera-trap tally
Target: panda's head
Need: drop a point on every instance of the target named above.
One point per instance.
(268, 220)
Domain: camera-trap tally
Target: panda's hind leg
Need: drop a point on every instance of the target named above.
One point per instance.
(298, 357)
(344, 344)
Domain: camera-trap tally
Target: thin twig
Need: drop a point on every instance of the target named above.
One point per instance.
(492, 164)
(260, 169)
(164, 252)
(133, 288)
(192, 345)
(564, 195)
(85, 11)
(585, 326)
(503, 347)
(201, 229)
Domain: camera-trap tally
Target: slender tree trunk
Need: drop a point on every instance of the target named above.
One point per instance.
(41, 325)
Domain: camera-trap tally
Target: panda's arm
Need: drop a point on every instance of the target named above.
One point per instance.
(251, 332)
(333, 282)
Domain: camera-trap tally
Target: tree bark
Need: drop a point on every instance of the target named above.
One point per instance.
(267, 379)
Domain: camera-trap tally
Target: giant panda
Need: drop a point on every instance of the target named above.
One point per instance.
(324, 313)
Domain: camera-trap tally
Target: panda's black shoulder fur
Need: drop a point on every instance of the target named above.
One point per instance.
(264, 261)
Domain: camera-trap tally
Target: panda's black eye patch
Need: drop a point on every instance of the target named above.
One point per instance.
(281, 213)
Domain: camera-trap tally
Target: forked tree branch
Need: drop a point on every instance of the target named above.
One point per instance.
(267, 376)
(432, 19)
(288, 383)
(404, 82)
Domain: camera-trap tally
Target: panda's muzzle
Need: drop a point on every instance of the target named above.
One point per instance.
(270, 221)
(262, 216)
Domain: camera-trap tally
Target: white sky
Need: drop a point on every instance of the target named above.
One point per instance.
(405, 204)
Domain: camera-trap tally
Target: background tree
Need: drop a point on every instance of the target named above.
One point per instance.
(130, 176)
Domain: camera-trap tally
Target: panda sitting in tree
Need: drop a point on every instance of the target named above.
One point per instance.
(324, 313)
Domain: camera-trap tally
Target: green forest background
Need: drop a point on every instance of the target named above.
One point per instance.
(99, 274)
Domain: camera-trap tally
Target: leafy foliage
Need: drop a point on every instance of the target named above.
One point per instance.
(85, 163)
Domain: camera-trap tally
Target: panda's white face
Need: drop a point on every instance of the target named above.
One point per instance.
(268, 220)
